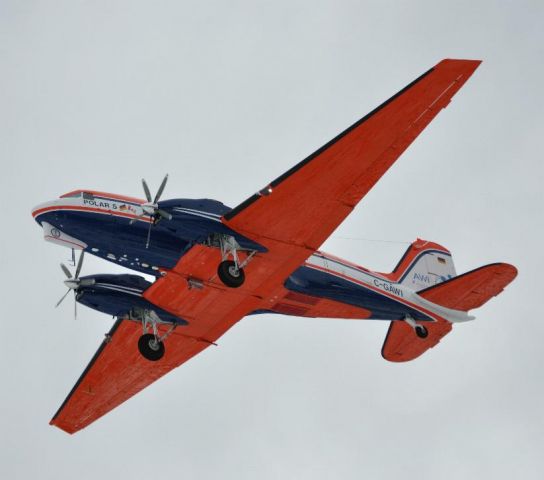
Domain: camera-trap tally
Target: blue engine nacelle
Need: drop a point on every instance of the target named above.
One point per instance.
(120, 296)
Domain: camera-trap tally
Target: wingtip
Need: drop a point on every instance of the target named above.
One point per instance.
(506, 269)
(468, 64)
(510, 270)
(65, 428)
(462, 60)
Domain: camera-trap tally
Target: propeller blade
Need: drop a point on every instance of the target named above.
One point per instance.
(62, 298)
(148, 235)
(164, 214)
(146, 190)
(79, 264)
(161, 189)
(75, 305)
(65, 270)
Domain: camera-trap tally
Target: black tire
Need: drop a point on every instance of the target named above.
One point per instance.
(421, 331)
(150, 348)
(230, 275)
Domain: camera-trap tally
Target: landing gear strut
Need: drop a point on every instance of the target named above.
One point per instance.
(231, 272)
(420, 330)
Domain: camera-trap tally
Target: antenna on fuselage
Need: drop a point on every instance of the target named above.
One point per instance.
(151, 208)
(73, 259)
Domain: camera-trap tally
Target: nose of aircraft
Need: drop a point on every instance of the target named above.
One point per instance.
(39, 210)
(46, 215)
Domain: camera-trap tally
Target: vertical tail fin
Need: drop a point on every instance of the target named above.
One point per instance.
(423, 265)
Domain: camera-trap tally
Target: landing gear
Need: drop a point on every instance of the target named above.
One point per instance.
(420, 330)
(151, 347)
(230, 274)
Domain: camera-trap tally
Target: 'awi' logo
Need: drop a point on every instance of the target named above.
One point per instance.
(420, 277)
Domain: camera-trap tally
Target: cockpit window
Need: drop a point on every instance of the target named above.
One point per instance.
(78, 194)
(71, 195)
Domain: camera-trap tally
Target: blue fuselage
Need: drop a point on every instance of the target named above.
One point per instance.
(101, 225)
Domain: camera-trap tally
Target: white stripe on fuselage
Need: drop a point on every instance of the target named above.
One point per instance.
(197, 213)
(120, 288)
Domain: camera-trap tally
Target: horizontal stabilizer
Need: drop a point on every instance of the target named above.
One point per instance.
(402, 344)
(472, 289)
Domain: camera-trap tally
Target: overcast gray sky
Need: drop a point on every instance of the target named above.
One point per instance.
(225, 96)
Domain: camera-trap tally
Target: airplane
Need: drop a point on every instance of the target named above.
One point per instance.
(214, 265)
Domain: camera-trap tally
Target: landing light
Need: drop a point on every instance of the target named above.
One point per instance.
(265, 191)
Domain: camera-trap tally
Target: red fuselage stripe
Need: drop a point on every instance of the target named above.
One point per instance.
(65, 241)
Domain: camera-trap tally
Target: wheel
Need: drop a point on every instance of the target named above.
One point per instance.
(421, 331)
(150, 348)
(230, 275)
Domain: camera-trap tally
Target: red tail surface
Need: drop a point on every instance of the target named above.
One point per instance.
(402, 344)
(472, 289)
(465, 292)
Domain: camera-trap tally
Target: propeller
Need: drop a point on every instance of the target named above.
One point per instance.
(151, 208)
(74, 282)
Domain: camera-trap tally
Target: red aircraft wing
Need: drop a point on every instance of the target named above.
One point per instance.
(307, 203)
(117, 372)
(296, 213)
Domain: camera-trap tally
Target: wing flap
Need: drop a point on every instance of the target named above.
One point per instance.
(472, 289)
(402, 344)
